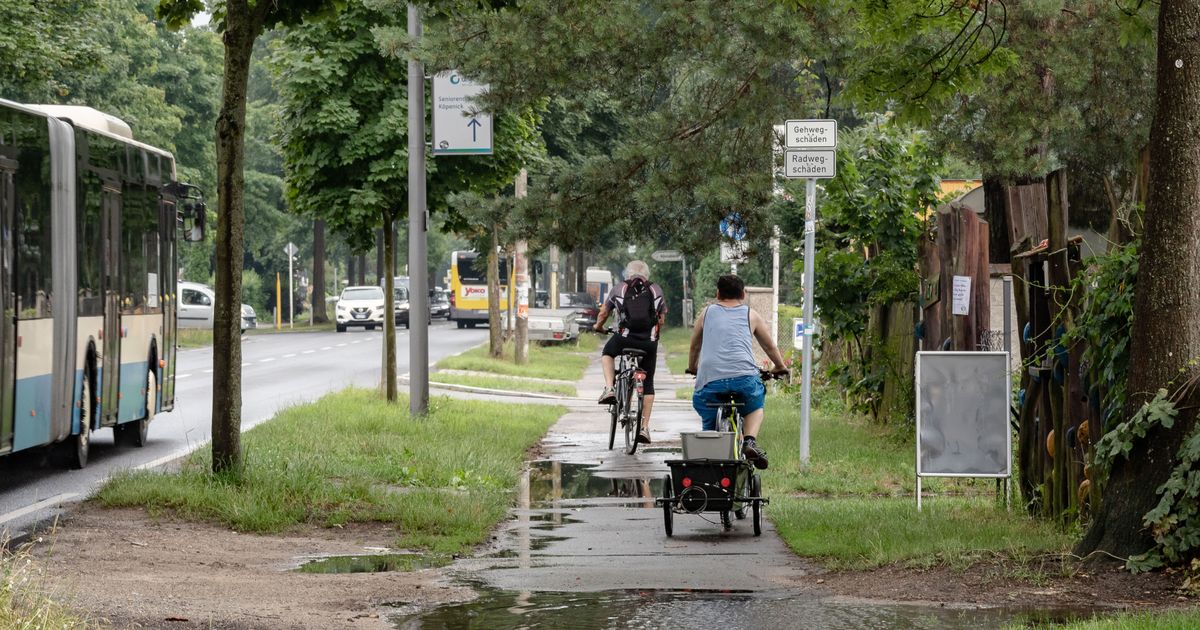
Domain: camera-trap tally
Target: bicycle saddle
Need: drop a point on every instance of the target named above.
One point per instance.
(633, 352)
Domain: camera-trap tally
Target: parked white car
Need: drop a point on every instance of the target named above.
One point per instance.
(196, 304)
(360, 306)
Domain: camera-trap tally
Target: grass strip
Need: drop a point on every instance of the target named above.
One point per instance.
(675, 342)
(1164, 620)
(444, 480)
(862, 533)
(544, 362)
(499, 382)
(853, 506)
(193, 338)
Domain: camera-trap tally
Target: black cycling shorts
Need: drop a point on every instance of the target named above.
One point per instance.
(617, 343)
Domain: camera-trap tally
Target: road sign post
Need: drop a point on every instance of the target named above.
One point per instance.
(418, 222)
(811, 154)
(291, 250)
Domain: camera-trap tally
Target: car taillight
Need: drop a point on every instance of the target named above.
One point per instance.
(451, 299)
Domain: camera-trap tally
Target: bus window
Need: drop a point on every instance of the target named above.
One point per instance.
(472, 269)
(34, 237)
(89, 239)
(139, 235)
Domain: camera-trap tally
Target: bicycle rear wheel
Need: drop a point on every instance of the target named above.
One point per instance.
(633, 424)
(614, 410)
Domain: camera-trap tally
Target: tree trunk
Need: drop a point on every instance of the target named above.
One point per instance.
(380, 265)
(997, 220)
(361, 280)
(581, 274)
(389, 313)
(1166, 330)
(240, 33)
(318, 274)
(495, 340)
(351, 270)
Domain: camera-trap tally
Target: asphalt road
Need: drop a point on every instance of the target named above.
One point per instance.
(278, 370)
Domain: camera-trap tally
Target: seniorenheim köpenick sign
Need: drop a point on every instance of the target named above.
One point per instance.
(458, 127)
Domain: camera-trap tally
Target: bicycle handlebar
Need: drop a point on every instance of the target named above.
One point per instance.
(765, 375)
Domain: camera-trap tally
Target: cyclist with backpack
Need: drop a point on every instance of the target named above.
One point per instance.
(640, 309)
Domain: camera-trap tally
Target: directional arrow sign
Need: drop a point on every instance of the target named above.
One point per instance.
(459, 127)
(667, 255)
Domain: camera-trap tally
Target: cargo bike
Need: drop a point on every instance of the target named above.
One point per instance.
(714, 475)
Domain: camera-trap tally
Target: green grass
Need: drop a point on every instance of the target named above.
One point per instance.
(499, 382)
(268, 327)
(684, 393)
(28, 599)
(544, 362)
(1165, 620)
(675, 342)
(444, 481)
(867, 532)
(194, 338)
(853, 505)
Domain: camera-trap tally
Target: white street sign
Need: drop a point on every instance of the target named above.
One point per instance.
(291, 249)
(819, 164)
(667, 255)
(811, 134)
(458, 127)
(733, 252)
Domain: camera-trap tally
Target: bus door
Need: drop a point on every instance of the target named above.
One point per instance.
(110, 365)
(168, 287)
(8, 363)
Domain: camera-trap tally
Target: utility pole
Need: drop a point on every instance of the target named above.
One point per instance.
(810, 220)
(418, 304)
(775, 285)
(553, 276)
(521, 265)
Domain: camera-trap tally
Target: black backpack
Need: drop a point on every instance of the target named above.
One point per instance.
(639, 314)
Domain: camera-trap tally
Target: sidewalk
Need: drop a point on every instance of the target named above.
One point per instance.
(586, 520)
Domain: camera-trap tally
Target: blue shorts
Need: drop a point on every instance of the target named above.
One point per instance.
(747, 390)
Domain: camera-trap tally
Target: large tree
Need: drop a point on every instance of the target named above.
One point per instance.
(240, 22)
(1165, 342)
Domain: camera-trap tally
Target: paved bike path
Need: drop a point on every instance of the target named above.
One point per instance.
(586, 521)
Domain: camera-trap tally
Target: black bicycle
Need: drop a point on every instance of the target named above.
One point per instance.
(717, 485)
(629, 384)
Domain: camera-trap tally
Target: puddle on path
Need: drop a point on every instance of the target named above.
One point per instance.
(551, 481)
(509, 610)
(373, 563)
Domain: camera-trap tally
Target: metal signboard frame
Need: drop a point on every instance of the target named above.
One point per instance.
(1002, 417)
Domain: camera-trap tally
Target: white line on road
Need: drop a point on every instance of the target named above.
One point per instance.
(267, 360)
(246, 364)
(179, 376)
(208, 371)
(29, 509)
(341, 345)
(288, 356)
(308, 352)
(327, 348)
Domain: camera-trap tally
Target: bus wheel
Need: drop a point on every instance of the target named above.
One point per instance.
(77, 447)
(461, 324)
(139, 432)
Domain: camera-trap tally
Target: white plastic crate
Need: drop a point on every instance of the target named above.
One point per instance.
(707, 445)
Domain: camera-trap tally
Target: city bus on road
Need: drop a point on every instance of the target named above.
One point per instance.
(89, 220)
(469, 288)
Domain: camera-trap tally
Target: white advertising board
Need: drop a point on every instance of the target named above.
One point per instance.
(459, 128)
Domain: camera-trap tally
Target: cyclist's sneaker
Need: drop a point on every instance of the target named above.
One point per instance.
(643, 436)
(755, 454)
(608, 396)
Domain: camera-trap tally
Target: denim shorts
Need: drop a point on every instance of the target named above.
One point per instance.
(747, 390)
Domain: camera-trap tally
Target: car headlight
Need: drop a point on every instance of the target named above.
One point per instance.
(341, 307)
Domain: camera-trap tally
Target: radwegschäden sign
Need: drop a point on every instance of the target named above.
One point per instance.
(810, 154)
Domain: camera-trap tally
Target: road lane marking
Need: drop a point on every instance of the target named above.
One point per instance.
(267, 360)
(246, 364)
(308, 352)
(45, 503)
(179, 376)
(208, 371)
(341, 345)
(288, 356)
(327, 348)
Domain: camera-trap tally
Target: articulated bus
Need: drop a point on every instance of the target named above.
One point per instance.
(469, 288)
(88, 218)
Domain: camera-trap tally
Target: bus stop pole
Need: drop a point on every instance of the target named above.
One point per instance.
(810, 221)
(418, 312)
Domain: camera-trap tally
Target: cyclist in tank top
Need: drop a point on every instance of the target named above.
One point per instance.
(722, 358)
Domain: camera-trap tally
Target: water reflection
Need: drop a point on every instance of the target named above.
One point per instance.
(551, 482)
(505, 610)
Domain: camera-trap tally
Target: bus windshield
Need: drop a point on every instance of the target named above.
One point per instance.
(472, 268)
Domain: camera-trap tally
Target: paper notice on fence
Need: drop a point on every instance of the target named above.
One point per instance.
(962, 295)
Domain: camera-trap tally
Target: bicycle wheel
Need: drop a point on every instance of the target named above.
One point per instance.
(632, 426)
(668, 509)
(615, 411)
(756, 506)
